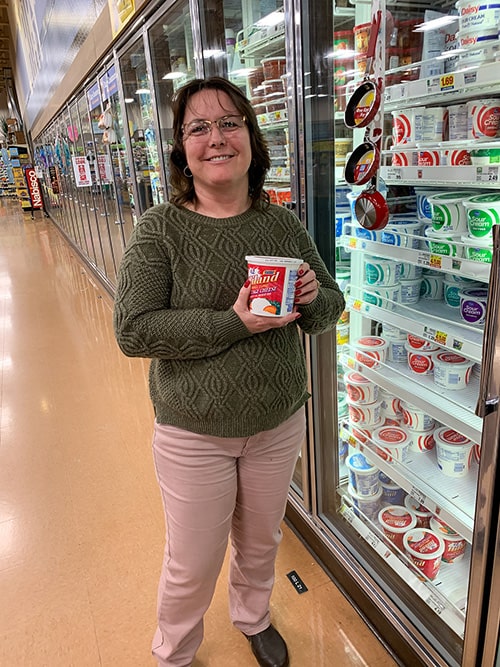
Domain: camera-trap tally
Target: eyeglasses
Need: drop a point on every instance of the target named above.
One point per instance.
(197, 129)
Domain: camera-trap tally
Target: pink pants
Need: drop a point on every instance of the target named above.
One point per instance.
(212, 487)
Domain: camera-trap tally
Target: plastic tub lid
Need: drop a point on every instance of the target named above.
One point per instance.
(371, 343)
(397, 519)
(451, 438)
(452, 359)
(424, 543)
(418, 509)
(390, 436)
(357, 463)
(441, 528)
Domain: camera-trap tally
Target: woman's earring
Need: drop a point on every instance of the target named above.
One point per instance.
(187, 172)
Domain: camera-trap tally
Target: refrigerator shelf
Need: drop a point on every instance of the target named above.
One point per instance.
(434, 594)
(449, 88)
(455, 409)
(452, 499)
(465, 176)
(456, 265)
(428, 319)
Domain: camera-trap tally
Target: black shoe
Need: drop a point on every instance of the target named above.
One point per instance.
(269, 648)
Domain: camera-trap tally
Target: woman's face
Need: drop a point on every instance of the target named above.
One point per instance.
(217, 160)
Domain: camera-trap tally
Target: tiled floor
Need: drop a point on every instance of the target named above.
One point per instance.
(81, 527)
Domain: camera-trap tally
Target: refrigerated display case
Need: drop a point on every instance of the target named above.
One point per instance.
(401, 496)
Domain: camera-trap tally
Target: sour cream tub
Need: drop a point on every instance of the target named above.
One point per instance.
(420, 362)
(448, 213)
(379, 271)
(454, 544)
(451, 370)
(382, 296)
(415, 418)
(410, 271)
(363, 476)
(421, 441)
(432, 288)
(396, 351)
(392, 494)
(478, 250)
(369, 506)
(473, 305)
(482, 213)
(478, 15)
(417, 343)
(425, 549)
(396, 521)
(410, 291)
(360, 389)
(403, 235)
(369, 350)
(391, 405)
(272, 290)
(392, 443)
(452, 449)
(364, 415)
(422, 513)
(444, 244)
(483, 117)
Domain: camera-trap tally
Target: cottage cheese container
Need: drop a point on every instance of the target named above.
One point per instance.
(272, 279)
(454, 544)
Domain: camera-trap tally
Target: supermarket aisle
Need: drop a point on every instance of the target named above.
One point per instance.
(80, 518)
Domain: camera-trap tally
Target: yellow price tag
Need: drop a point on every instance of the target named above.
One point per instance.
(440, 337)
(447, 81)
(356, 305)
(353, 243)
(435, 261)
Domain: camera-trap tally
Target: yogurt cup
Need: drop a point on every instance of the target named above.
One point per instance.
(363, 476)
(410, 291)
(415, 418)
(364, 415)
(473, 305)
(425, 549)
(396, 521)
(370, 350)
(432, 288)
(379, 271)
(360, 389)
(392, 443)
(387, 296)
(422, 513)
(448, 214)
(392, 494)
(451, 370)
(454, 544)
(452, 449)
(421, 441)
(478, 250)
(417, 343)
(272, 280)
(482, 213)
(369, 506)
(420, 362)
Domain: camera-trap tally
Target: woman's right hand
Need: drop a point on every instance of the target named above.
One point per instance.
(259, 323)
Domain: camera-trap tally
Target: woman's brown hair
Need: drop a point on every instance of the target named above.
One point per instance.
(182, 186)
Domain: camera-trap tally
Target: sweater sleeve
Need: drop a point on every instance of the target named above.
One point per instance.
(144, 323)
(323, 313)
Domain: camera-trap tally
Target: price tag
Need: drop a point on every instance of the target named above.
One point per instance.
(394, 174)
(347, 513)
(418, 495)
(436, 604)
(434, 84)
(487, 174)
(435, 261)
(356, 305)
(435, 335)
(372, 539)
(353, 243)
(447, 82)
(423, 259)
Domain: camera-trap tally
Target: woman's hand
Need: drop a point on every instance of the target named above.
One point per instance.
(306, 287)
(259, 323)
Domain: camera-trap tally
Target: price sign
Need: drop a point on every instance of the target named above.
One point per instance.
(435, 335)
(356, 305)
(435, 261)
(372, 539)
(423, 259)
(433, 84)
(418, 495)
(353, 243)
(487, 174)
(447, 82)
(436, 604)
(347, 513)
(394, 174)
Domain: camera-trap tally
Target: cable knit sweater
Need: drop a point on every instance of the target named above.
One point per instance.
(179, 278)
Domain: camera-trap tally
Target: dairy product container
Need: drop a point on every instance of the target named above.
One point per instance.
(452, 450)
(432, 288)
(392, 494)
(418, 343)
(421, 441)
(454, 544)
(420, 362)
(369, 350)
(392, 443)
(457, 122)
(368, 506)
(483, 118)
(422, 513)
(410, 271)
(448, 213)
(451, 370)
(449, 245)
(425, 549)
(360, 389)
(396, 521)
(483, 211)
(415, 418)
(410, 290)
(473, 305)
(272, 284)
(363, 476)
(478, 14)
(380, 271)
(382, 296)
(364, 414)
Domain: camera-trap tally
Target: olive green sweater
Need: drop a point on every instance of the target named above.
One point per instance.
(179, 278)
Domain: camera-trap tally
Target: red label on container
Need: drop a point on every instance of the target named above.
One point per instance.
(453, 438)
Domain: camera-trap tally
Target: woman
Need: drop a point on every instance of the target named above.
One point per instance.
(228, 386)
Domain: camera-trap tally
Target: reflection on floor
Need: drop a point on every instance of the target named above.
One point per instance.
(80, 519)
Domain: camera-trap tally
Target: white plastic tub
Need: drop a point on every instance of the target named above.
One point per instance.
(451, 370)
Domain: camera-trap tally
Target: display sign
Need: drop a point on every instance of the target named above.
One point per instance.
(109, 83)
(104, 168)
(94, 96)
(120, 12)
(33, 187)
(81, 169)
(54, 182)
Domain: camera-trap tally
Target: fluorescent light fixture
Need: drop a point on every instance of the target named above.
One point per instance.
(243, 71)
(274, 18)
(213, 53)
(129, 100)
(435, 24)
(143, 91)
(174, 75)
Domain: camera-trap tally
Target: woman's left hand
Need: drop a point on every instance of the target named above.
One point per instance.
(306, 287)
